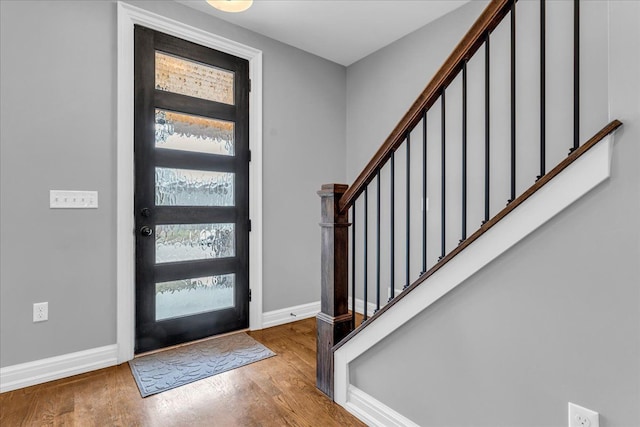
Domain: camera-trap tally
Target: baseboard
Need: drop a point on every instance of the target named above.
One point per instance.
(372, 412)
(53, 368)
(371, 307)
(290, 314)
(304, 311)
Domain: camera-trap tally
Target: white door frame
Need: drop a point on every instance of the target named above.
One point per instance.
(128, 16)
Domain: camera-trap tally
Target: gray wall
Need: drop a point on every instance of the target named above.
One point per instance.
(380, 89)
(382, 86)
(555, 319)
(58, 85)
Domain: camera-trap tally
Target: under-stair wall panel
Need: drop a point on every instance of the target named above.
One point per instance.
(554, 319)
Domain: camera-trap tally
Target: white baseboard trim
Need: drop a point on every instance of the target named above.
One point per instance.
(290, 314)
(574, 182)
(54, 368)
(371, 307)
(372, 412)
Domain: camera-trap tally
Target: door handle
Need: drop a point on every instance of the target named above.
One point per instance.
(146, 231)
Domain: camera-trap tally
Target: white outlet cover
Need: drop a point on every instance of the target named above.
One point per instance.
(582, 417)
(40, 311)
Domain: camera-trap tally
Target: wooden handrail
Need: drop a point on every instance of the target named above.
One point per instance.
(470, 43)
(608, 129)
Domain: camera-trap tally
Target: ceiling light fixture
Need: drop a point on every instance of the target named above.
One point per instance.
(231, 5)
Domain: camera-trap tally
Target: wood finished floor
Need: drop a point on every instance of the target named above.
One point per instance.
(279, 391)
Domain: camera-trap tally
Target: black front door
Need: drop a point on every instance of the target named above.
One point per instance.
(191, 191)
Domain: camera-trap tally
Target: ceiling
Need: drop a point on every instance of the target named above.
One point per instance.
(341, 31)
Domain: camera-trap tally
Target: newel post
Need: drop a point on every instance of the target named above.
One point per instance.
(334, 320)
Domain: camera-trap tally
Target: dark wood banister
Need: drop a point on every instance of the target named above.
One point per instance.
(470, 43)
(608, 129)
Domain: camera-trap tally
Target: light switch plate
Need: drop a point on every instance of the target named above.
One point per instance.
(65, 199)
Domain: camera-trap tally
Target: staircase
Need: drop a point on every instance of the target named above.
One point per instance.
(404, 233)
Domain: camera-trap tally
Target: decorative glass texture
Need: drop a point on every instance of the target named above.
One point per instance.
(192, 296)
(185, 132)
(186, 242)
(186, 187)
(191, 78)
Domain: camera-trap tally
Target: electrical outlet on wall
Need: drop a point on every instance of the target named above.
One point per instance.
(582, 417)
(40, 311)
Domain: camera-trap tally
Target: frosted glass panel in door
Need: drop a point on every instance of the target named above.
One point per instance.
(186, 242)
(192, 296)
(185, 132)
(191, 78)
(187, 187)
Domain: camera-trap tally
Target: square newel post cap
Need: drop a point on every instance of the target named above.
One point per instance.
(331, 189)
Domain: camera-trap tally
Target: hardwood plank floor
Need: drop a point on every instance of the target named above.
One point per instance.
(279, 391)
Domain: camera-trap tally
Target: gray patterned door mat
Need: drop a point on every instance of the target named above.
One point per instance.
(169, 369)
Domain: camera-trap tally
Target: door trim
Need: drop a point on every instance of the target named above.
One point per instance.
(128, 16)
